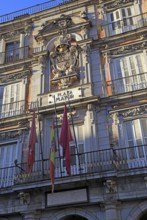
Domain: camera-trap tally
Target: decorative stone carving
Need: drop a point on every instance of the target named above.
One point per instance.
(11, 34)
(42, 61)
(83, 14)
(126, 49)
(85, 52)
(84, 32)
(115, 4)
(110, 186)
(63, 22)
(28, 28)
(14, 76)
(64, 60)
(24, 198)
(139, 110)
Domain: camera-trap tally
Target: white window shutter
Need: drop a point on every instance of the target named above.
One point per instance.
(2, 51)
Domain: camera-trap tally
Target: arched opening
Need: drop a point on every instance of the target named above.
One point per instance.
(73, 217)
(144, 216)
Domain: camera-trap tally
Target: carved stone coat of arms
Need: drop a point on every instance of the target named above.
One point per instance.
(64, 57)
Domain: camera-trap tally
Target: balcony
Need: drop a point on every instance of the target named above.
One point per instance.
(101, 164)
(127, 84)
(122, 26)
(17, 55)
(12, 109)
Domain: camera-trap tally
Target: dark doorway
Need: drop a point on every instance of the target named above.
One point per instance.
(74, 217)
(144, 216)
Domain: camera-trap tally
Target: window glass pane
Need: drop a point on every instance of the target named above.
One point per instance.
(129, 130)
(81, 153)
(139, 63)
(125, 66)
(112, 17)
(123, 12)
(80, 133)
(118, 69)
(129, 11)
(132, 64)
(117, 15)
(144, 128)
(73, 155)
(8, 154)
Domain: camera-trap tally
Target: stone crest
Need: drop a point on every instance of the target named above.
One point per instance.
(64, 57)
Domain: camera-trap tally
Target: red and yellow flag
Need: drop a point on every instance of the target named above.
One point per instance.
(52, 155)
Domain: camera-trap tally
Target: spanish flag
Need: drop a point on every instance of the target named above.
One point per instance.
(52, 155)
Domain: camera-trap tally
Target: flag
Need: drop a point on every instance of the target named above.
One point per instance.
(52, 155)
(65, 138)
(31, 146)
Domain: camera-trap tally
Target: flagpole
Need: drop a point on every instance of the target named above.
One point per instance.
(74, 134)
(40, 138)
(55, 109)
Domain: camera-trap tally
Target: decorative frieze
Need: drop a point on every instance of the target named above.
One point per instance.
(5, 78)
(115, 4)
(11, 35)
(125, 49)
(129, 112)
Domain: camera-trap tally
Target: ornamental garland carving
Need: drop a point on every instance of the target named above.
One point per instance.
(64, 60)
(14, 76)
(11, 34)
(115, 4)
(136, 111)
(126, 49)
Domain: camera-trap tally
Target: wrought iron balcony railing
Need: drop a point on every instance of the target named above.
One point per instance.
(11, 56)
(122, 26)
(32, 10)
(125, 161)
(12, 109)
(127, 84)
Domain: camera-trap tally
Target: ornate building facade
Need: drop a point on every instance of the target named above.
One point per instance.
(91, 55)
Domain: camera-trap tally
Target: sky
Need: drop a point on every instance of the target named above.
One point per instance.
(8, 6)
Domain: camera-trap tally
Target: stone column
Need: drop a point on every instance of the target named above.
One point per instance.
(29, 216)
(111, 211)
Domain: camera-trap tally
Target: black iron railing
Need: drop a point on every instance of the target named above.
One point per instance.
(32, 10)
(12, 109)
(15, 55)
(124, 25)
(128, 84)
(100, 163)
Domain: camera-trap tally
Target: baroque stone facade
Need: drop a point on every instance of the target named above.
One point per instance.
(91, 56)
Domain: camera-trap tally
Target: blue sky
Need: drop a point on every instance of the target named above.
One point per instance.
(8, 6)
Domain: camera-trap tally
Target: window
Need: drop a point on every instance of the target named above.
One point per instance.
(136, 137)
(8, 154)
(129, 73)
(121, 20)
(12, 51)
(11, 100)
